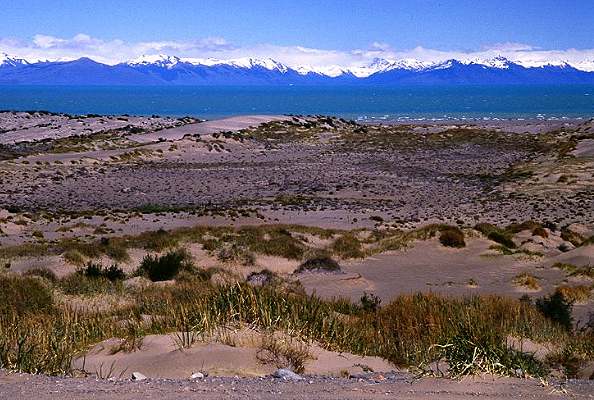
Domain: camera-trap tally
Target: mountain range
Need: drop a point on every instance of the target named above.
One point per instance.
(171, 70)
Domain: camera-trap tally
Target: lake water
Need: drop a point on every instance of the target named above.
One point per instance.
(418, 102)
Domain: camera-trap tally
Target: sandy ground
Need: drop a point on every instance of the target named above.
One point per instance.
(399, 386)
(208, 127)
(227, 353)
(310, 180)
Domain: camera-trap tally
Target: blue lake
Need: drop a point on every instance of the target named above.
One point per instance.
(417, 102)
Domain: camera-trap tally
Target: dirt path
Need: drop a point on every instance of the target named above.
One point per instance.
(402, 387)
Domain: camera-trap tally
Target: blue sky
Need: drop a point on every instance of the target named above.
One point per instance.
(397, 26)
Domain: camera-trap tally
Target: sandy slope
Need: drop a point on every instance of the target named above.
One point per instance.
(160, 357)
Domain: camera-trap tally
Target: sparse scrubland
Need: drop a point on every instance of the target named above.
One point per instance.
(309, 233)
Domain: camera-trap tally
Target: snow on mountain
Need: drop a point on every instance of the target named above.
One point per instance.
(496, 62)
(332, 70)
(165, 61)
(7, 60)
(168, 69)
(586, 65)
(159, 60)
(266, 63)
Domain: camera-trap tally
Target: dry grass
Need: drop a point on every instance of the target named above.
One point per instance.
(575, 294)
(408, 331)
(527, 280)
(284, 352)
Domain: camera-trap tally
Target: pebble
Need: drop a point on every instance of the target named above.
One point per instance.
(197, 375)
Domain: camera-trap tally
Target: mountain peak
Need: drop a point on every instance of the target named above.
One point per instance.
(160, 60)
(249, 62)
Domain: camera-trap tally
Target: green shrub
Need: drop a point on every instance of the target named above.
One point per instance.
(471, 351)
(165, 267)
(80, 284)
(94, 270)
(557, 308)
(370, 302)
(348, 246)
(496, 234)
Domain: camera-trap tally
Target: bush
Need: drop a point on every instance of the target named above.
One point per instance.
(452, 237)
(570, 236)
(270, 241)
(496, 234)
(319, 264)
(557, 308)
(574, 294)
(471, 352)
(22, 294)
(347, 246)
(112, 273)
(166, 267)
(234, 253)
(502, 238)
(80, 284)
(370, 302)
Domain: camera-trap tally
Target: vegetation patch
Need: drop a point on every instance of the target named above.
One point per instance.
(527, 280)
(165, 267)
(412, 330)
(347, 246)
(496, 234)
(452, 237)
(320, 264)
(575, 294)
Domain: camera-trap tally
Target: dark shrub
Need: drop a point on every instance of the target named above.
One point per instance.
(502, 238)
(262, 278)
(370, 302)
(557, 308)
(166, 267)
(114, 273)
(452, 237)
(94, 271)
(319, 264)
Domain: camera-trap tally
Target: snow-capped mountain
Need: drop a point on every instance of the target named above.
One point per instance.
(8, 61)
(171, 70)
(159, 60)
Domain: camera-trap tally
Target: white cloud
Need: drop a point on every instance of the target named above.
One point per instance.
(45, 47)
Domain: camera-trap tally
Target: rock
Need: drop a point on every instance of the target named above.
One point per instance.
(137, 376)
(197, 375)
(287, 375)
(259, 278)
